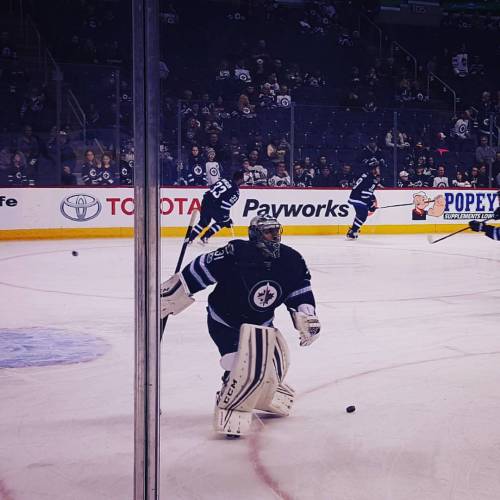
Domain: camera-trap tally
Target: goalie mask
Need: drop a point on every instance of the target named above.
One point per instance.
(265, 232)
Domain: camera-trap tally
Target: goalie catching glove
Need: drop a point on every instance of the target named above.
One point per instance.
(307, 324)
(174, 296)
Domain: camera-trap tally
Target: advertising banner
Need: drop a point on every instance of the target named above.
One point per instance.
(301, 211)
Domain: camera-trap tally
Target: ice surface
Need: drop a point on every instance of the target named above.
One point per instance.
(410, 336)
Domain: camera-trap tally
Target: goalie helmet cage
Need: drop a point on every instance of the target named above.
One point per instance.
(146, 88)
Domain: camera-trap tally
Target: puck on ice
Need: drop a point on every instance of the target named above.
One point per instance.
(350, 409)
(74, 253)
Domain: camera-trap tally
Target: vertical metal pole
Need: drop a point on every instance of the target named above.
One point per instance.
(490, 142)
(395, 149)
(147, 256)
(292, 138)
(58, 82)
(117, 117)
(179, 140)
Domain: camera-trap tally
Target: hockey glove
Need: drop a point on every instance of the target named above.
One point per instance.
(496, 214)
(308, 327)
(476, 225)
(373, 208)
(174, 296)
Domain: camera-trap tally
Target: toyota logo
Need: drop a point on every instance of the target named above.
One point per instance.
(80, 207)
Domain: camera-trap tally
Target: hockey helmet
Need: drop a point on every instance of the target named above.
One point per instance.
(265, 231)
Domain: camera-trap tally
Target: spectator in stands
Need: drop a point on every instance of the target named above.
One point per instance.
(192, 133)
(322, 163)
(33, 107)
(107, 171)
(29, 145)
(5, 164)
(195, 174)
(266, 97)
(281, 177)
(370, 153)
(460, 180)
(18, 173)
(301, 178)
(67, 154)
(345, 177)
(214, 143)
(277, 150)
(419, 179)
(440, 181)
(495, 170)
(461, 131)
(127, 163)
(324, 178)
(401, 141)
(234, 152)
(90, 169)
(478, 179)
(485, 153)
(248, 102)
(68, 178)
(259, 173)
(404, 179)
(309, 166)
(213, 168)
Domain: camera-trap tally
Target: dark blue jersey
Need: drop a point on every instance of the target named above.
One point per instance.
(248, 287)
(222, 195)
(492, 232)
(362, 192)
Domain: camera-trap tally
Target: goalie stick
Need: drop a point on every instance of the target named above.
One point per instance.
(432, 241)
(179, 260)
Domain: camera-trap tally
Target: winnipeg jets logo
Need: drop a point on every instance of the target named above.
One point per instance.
(264, 294)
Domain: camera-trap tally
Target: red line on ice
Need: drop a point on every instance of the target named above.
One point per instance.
(5, 494)
(260, 468)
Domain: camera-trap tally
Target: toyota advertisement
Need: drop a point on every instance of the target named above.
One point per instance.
(323, 209)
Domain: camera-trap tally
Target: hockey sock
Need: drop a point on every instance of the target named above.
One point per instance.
(214, 228)
(356, 225)
(195, 231)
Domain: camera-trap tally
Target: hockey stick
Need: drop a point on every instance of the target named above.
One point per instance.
(431, 241)
(402, 205)
(180, 259)
(232, 232)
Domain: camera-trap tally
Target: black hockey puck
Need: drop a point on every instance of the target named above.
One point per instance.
(350, 409)
(74, 253)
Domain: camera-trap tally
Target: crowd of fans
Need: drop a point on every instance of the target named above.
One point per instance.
(236, 104)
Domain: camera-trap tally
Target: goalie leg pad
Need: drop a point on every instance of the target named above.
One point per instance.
(280, 397)
(232, 422)
(250, 373)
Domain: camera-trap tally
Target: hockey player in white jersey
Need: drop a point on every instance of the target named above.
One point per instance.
(252, 279)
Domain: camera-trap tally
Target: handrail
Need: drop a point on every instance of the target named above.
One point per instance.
(75, 106)
(99, 145)
(30, 23)
(431, 75)
(377, 27)
(409, 54)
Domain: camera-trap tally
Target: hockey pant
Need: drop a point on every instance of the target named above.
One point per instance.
(207, 213)
(254, 380)
(361, 209)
